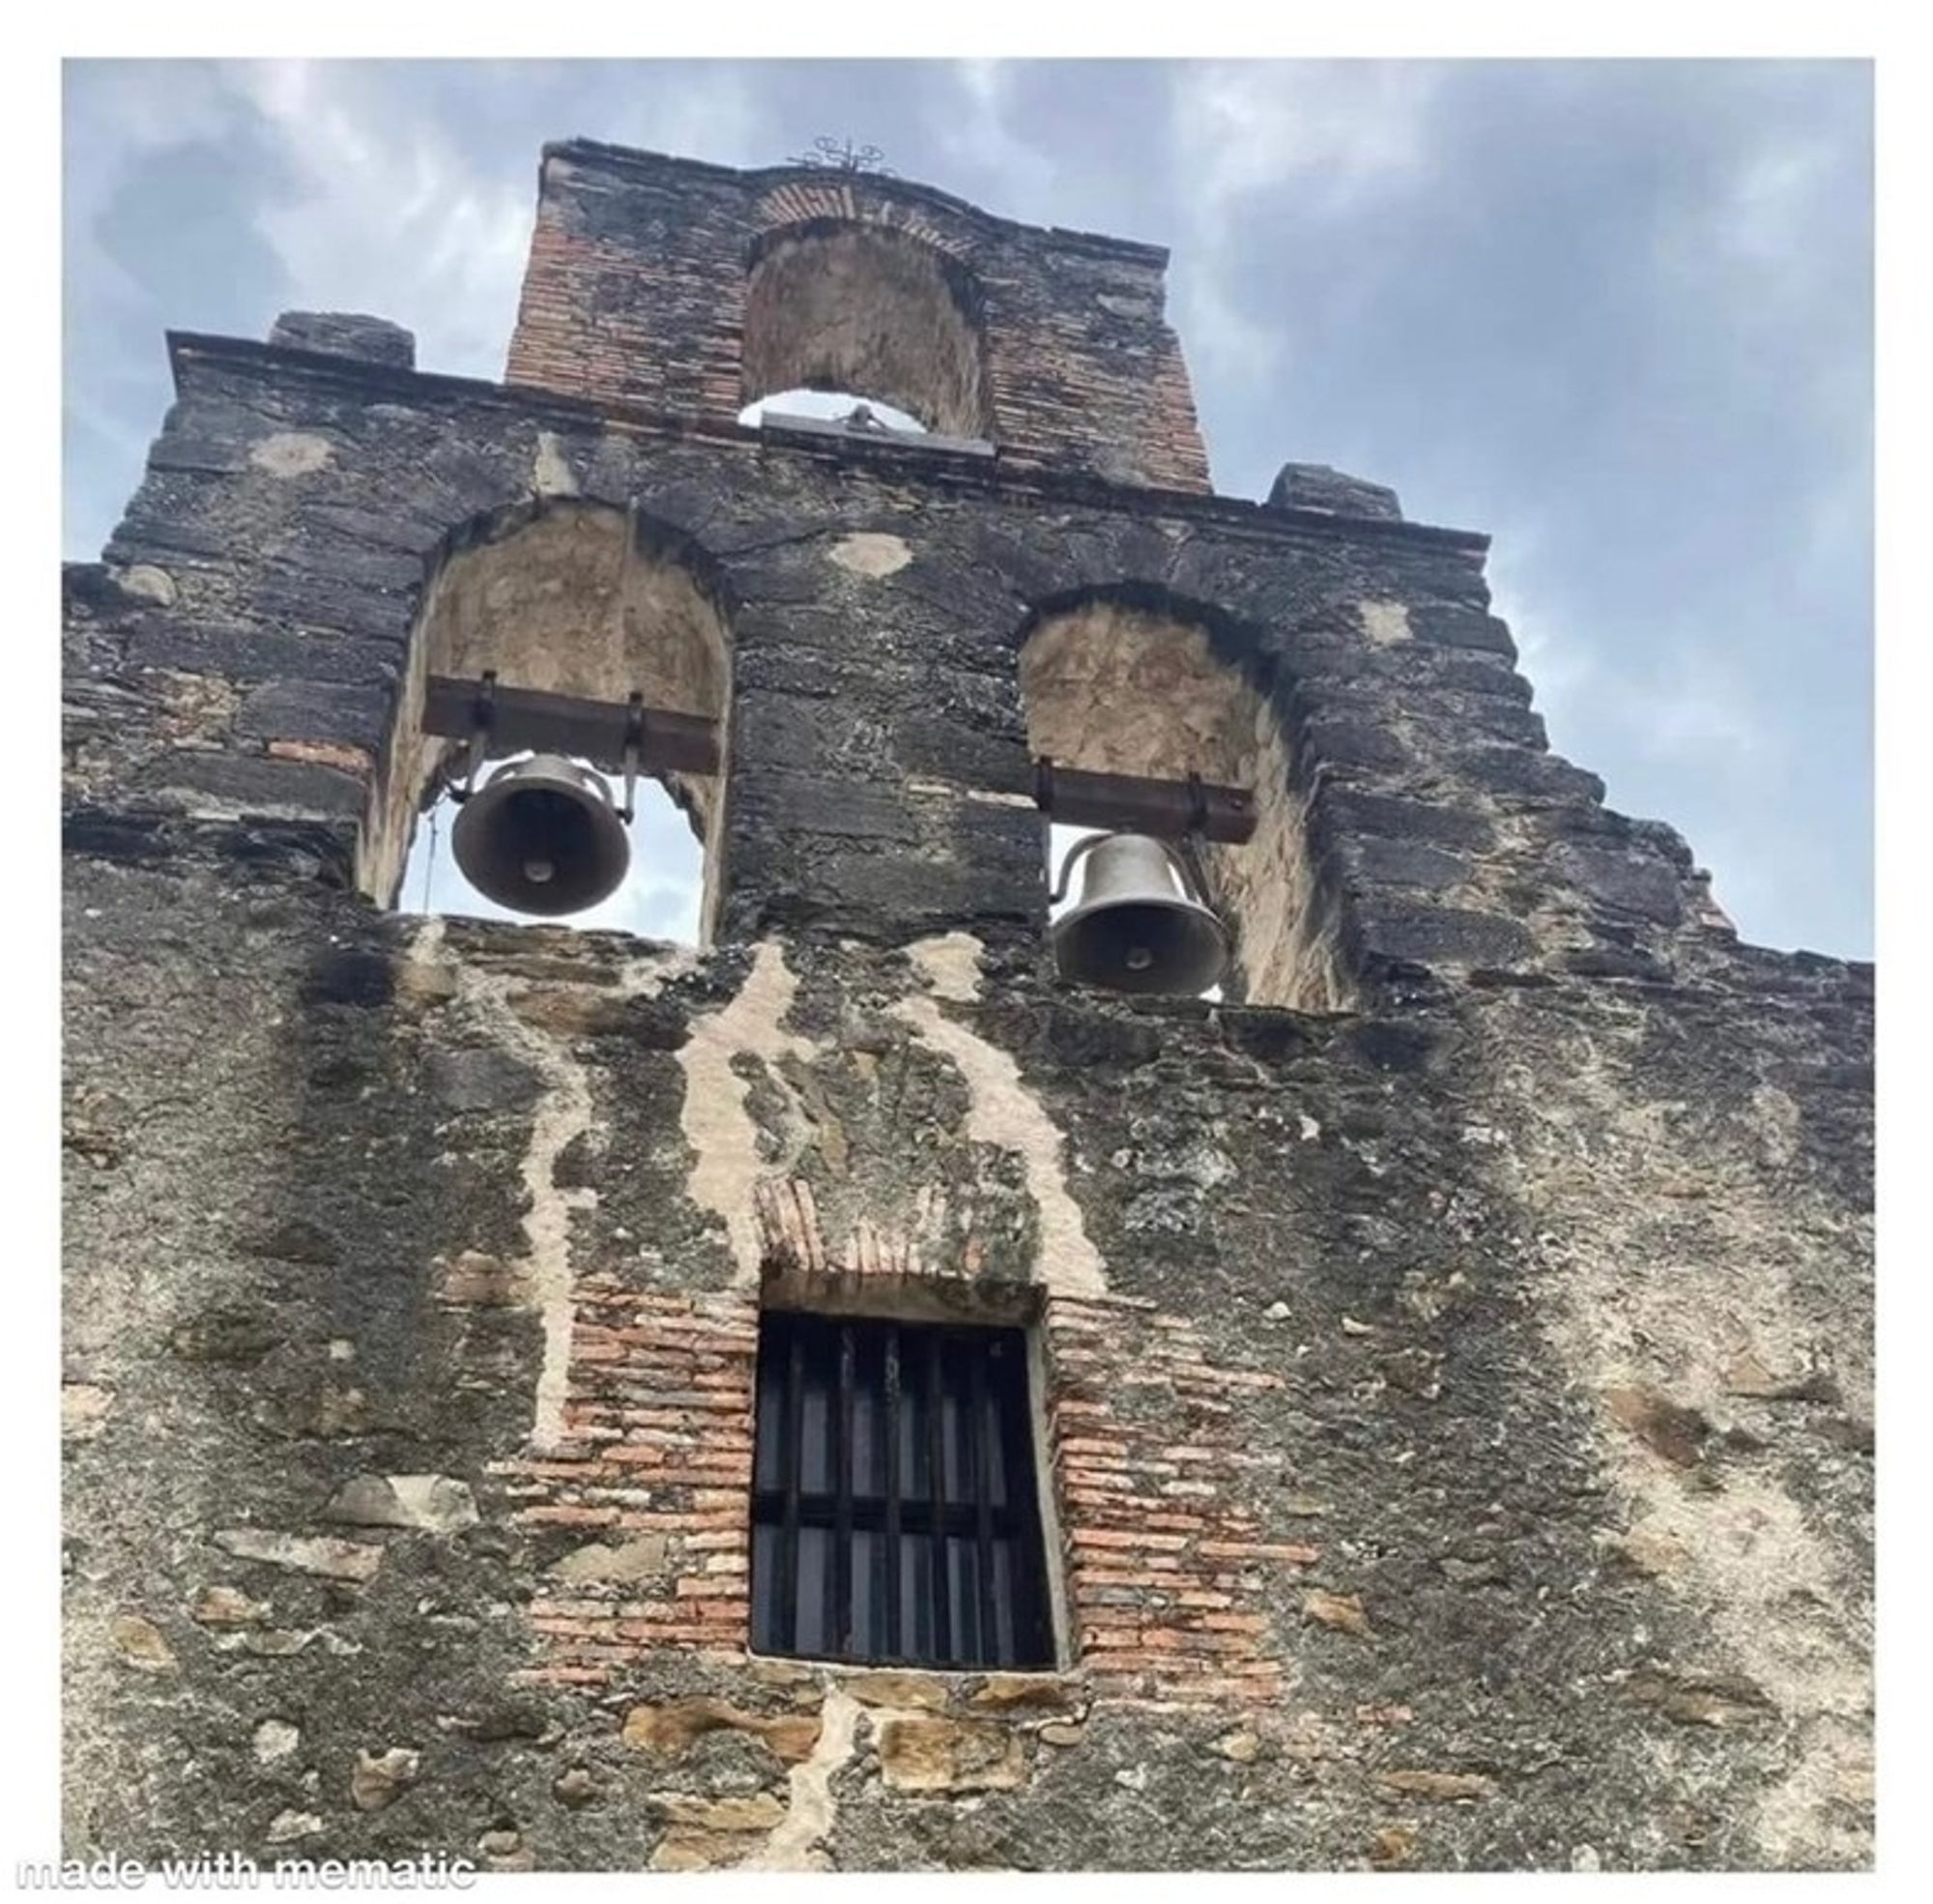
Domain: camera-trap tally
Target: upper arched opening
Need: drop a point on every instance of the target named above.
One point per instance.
(841, 307)
(565, 597)
(855, 410)
(1131, 683)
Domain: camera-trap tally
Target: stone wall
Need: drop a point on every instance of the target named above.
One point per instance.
(1460, 1410)
(1454, 1395)
(241, 649)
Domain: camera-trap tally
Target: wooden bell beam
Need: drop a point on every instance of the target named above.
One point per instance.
(593, 731)
(1132, 803)
(516, 718)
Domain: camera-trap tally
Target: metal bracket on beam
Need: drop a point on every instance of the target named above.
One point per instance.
(634, 753)
(477, 738)
(1132, 803)
(622, 737)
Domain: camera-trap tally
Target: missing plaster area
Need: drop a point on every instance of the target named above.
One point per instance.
(837, 306)
(570, 598)
(1154, 686)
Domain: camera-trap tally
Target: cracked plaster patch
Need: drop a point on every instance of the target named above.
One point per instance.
(551, 474)
(796, 1842)
(871, 556)
(292, 453)
(949, 964)
(1002, 1111)
(1385, 624)
(563, 1116)
(715, 1120)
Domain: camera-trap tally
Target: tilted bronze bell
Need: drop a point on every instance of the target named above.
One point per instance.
(1138, 925)
(543, 836)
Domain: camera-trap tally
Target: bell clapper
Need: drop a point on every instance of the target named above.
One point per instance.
(476, 747)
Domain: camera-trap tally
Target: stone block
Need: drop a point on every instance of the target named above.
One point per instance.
(1352, 743)
(248, 655)
(354, 1561)
(1407, 863)
(920, 1691)
(1461, 628)
(1529, 771)
(1633, 882)
(1341, 811)
(1443, 935)
(228, 1606)
(1444, 1787)
(382, 1778)
(139, 1643)
(670, 1730)
(314, 710)
(428, 1503)
(1318, 486)
(251, 782)
(1342, 1611)
(1007, 1692)
(642, 1558)
(479, 1078)
(346, 333)
(943, 1755)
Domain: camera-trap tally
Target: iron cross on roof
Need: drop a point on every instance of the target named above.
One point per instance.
(842, 156)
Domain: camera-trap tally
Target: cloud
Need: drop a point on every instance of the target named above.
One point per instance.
(713, 109)
(1339, 130)
(980, 135)
(1335, 134)
(1687, 700)
(387, 214)
(166, 170)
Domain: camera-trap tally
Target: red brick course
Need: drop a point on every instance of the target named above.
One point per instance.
(659, 1415)
(1163, 1592)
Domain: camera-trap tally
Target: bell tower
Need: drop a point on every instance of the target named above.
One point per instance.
(906, 1384)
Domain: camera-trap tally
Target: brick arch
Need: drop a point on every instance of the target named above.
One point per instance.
(570, 595)
(810, 198)
(1130, 678)
(872, 305)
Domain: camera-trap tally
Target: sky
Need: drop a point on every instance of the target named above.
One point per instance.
(1617, 314)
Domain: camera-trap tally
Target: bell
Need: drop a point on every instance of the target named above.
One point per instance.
(1137, 927)
(543, 836)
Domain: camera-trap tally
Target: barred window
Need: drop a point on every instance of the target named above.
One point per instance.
(895, 1517)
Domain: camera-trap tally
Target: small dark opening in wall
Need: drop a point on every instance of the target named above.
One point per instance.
(895, 1512)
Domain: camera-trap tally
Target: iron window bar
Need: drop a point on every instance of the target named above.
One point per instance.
(895, 1510)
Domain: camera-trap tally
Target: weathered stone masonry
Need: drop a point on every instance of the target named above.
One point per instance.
(1453, 1352)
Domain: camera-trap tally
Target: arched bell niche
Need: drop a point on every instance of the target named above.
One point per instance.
(566, 597)
(1134, 683)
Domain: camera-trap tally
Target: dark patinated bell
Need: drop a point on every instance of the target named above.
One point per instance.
(543, 836)
(1136, 927)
